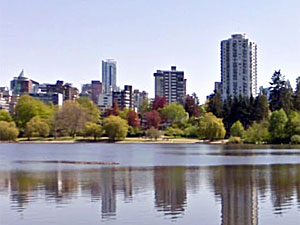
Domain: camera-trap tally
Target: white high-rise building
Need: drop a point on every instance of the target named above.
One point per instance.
(238, 67)
(109, 75)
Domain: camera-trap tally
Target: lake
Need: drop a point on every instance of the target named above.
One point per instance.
(157, 184)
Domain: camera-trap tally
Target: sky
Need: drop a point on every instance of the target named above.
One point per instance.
(67, 39)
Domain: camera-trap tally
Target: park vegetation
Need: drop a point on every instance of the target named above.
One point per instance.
(271, 117)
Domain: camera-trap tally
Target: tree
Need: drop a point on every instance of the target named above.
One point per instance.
(215, 105)
(92, 130)
(71, 117)
(159, 103)
(133, 119)
(257, 133)
(191, 106)
(278, 122)
(261, 111)
(115, 110)
(280, 93)
(297, 95)
(211, 127)
(28, 107)
(115, 127)
(237, 129)
(174, 113)
(36, 127)
(5, 116)
(144, 107)
(293, 124)
(93, 113)
(8, 131)
(152, 119)
(153, 133)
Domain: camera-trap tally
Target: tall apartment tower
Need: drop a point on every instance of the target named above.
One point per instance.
(171, 85)
(109, 75)
(238, 67)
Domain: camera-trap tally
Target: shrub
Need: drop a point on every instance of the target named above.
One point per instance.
(257, 133)
(295, 139)
(191, 131)
(237, 129)
(8, 131)
(234, 140)
(153, 133)
(173, 132)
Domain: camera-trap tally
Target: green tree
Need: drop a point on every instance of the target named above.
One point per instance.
(36, 127)
(278, 122)
(144, 107)
(211, 127)
(8, 131)
(28, 107)
(297, 95)
(237, 129)
(215, 105)
(174, 113)
(280, 93)
(92, 130)
(115, 127)
(261, 111)
(5, 116)
(257, 133)
(190, 131)
(293, 124)
(71, 117)
(93, 113)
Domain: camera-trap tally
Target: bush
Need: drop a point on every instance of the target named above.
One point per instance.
(234, 140)
(295, 139)
(237, 129)
(153, 133)
(8, 131)
(257, 133)
(173, 132)
(115, 127)
(190, 132)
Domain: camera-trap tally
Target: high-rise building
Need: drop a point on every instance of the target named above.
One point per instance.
(96, 91)
(124, 98)
(171, 85)
(109, 75)
(238, 67)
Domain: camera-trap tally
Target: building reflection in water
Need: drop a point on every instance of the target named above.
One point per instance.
(239, 188)
(170, 190)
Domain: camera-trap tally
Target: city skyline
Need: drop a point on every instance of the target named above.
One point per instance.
(71, 45)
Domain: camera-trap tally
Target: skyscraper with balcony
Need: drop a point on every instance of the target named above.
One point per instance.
(238, 67)
(171, 85)
(109, 75)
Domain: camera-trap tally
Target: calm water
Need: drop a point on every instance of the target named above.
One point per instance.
(153, 184)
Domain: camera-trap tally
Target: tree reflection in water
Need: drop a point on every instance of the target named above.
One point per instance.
(239, 188)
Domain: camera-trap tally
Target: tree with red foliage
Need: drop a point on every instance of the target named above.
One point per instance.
(115, 110)
(152, 119)
(159, 102)
(133, 119)
(191, 106)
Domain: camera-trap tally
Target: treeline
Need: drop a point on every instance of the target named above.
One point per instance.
(272, 117)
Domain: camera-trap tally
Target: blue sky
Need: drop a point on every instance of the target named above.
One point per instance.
(67, 39)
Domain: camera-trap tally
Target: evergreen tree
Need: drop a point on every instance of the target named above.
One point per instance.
(297, 95)
(215, 105)
(261, 107)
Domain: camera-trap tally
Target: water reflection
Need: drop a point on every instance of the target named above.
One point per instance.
(238, 189)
